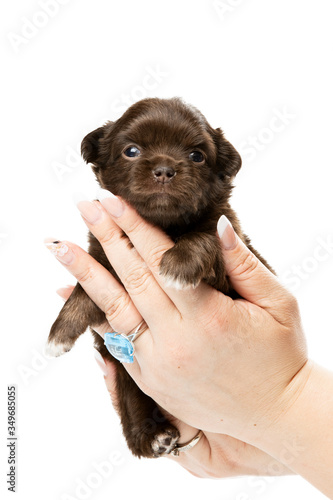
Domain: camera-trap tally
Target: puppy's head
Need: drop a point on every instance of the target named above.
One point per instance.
(164, 158)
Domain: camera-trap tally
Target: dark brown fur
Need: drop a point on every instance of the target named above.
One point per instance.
(187, 208)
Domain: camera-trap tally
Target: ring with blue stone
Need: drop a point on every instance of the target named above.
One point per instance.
(121, 346)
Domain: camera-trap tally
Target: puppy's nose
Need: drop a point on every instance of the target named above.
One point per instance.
(163, 174)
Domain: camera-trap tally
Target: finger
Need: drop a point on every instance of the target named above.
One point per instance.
(151, 243)
(109, 371)
(249, 277)
(65, 292)
(133, 272)
(102, 328)
(107, 293)
(111, 383)
(198, 460)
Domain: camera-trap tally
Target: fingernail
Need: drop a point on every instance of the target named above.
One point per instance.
(226, 233)
(100, 361)
(60, 250)
(111, 203)
(89, 210)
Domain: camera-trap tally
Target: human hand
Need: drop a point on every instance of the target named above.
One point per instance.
(201, 347)
(177, 307)
(215, 455)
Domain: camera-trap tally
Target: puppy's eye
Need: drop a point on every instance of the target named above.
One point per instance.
(132, 152)
(196, 156)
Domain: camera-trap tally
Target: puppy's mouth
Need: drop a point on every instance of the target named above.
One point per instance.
(162, 189)
(161, 196)
(156, 195)
(164, 203)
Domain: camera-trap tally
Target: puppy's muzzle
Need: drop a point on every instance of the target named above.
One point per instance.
(164, 174)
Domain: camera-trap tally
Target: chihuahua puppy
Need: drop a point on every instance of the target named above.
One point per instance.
(163, 158)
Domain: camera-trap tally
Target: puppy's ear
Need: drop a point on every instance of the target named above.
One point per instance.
(91, 144)
(229, 160)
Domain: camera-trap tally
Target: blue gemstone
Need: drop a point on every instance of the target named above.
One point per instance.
(120, 347)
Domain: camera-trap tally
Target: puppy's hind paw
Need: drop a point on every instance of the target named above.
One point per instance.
(165, 442)
(53, 350)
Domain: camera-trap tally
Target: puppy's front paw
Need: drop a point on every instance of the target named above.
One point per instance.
(54, 350)
(181, 269)
(74, 318)
(61, 338)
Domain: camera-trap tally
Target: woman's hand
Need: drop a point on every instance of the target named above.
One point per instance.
(202, 348)
(199, 358)
(215, 455)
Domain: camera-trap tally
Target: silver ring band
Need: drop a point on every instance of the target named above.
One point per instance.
(186, 446)
(137, 331)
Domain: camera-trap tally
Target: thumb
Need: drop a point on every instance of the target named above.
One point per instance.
(250, 277)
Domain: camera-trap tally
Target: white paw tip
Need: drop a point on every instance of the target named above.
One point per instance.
(53, 350)
(177, 284)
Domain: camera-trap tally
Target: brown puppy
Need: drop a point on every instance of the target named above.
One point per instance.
(164, 159)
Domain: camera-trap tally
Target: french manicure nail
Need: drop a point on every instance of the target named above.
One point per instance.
(100, 361)
(110, 202)
(226, 233)
(89, 210)
(60, 250)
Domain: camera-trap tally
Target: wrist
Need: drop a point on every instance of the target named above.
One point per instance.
(286, 411)
(298, 430)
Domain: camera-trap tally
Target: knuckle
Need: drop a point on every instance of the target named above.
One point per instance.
(109, 236)
(137, 280)
(136, 226)
(291, 307)
(214, 321)
(156, 256)
(246, 266)
(86, 275)
(139, 226)
(116, 308)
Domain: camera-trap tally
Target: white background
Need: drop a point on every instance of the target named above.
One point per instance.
(62, 79)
